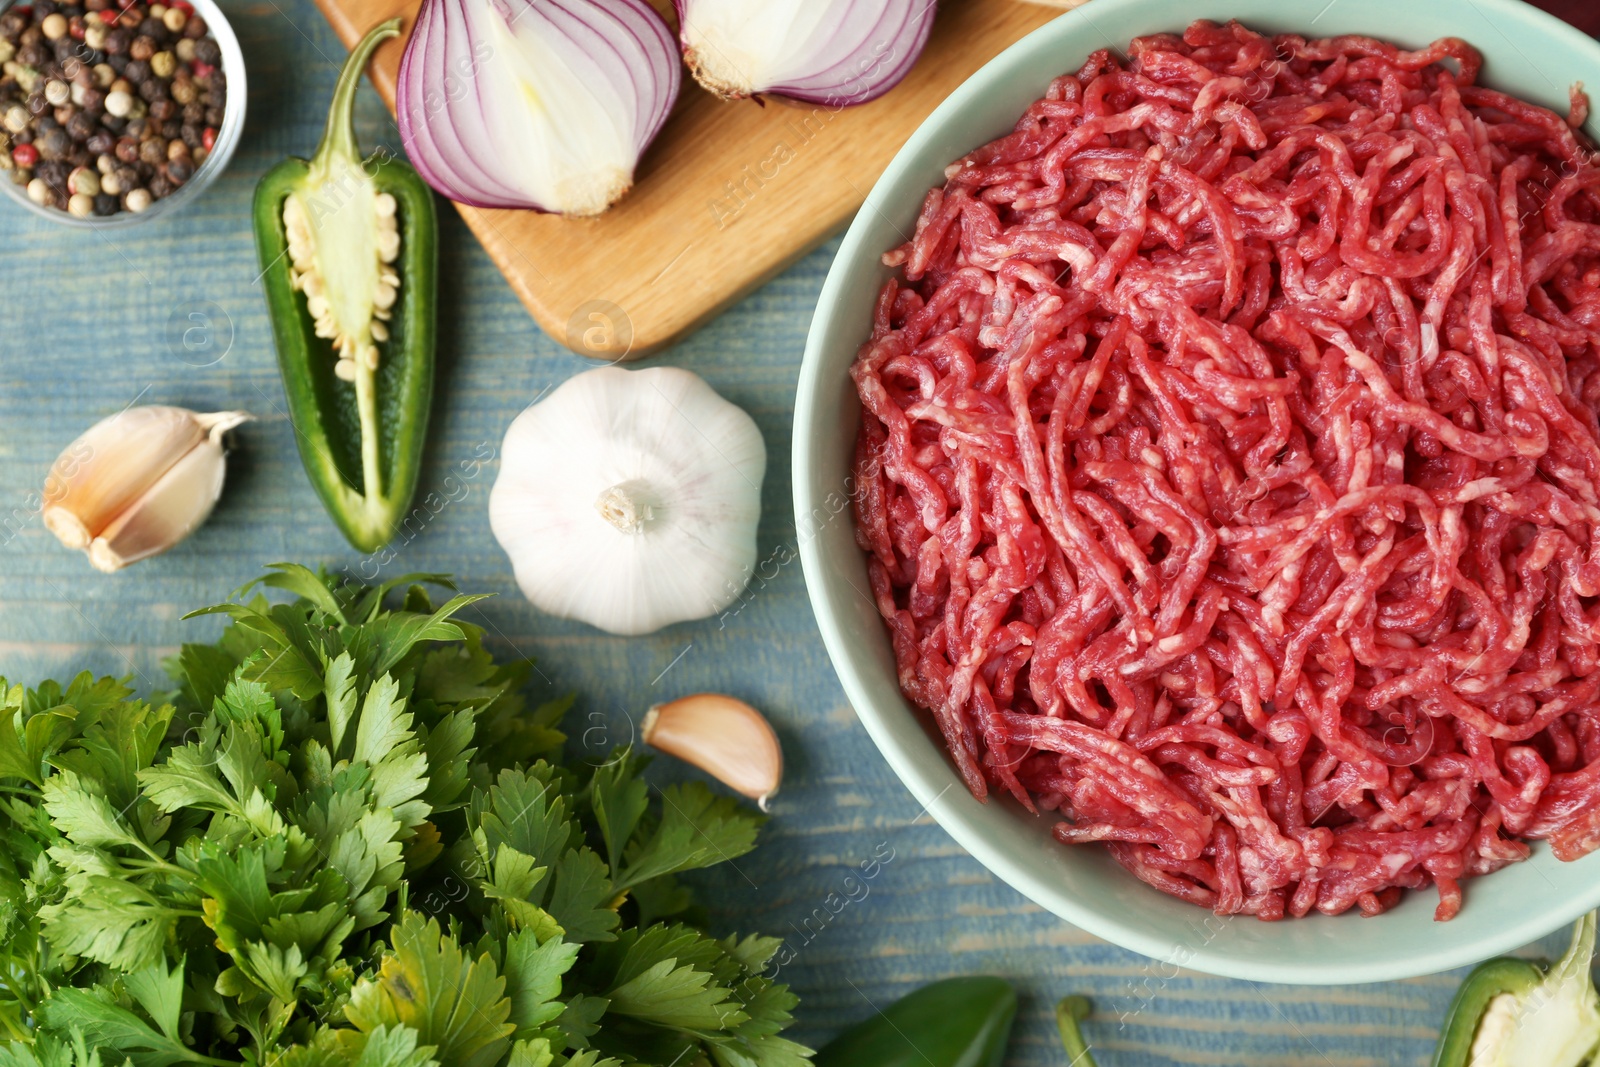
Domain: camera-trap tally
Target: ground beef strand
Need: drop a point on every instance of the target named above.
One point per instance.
(1229, 469)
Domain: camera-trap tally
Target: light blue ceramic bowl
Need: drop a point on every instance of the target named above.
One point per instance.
(1526, 52)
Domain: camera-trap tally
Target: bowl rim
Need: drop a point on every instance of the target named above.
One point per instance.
(228, 136)
(929, 784)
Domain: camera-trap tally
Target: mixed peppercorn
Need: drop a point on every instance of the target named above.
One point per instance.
(107, 105)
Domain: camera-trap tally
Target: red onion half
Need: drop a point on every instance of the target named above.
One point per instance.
(835, 52)
(542, 104)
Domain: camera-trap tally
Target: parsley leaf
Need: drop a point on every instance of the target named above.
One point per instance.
(347, 842)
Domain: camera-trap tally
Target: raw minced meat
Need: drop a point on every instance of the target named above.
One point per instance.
(1228, 468)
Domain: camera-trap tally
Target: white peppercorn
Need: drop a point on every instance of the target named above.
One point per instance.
(119, 103)
(80, 205)
(39, 192)
(137, 201)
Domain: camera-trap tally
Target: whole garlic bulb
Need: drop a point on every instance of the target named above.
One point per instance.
(629, 499)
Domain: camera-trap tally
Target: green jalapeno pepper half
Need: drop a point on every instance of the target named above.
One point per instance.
(959, 1022)
(349, 259)
(1515, 1013)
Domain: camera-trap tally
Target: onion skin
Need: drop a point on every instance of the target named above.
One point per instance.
(468, 76)
(845, 73)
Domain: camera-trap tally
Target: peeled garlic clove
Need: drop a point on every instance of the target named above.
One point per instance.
(726, 738)
(107, 468)
(138, 483)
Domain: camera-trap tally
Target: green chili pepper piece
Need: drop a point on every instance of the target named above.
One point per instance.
(1486, 981)
(1069, 1013)
(356, 352)
(959, 1022)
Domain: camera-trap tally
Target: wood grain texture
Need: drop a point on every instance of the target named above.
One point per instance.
(729, 194)
(89, 324)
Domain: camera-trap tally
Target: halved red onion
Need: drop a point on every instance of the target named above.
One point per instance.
(835, 52)
(542, 104)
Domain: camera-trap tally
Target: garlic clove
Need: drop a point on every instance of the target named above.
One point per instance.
(170, 510)
(137, 483)
(111, 465)
(726, 738)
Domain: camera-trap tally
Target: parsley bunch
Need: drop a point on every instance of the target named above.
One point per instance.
(344, 842)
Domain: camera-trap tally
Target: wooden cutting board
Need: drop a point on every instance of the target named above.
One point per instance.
(729, 194)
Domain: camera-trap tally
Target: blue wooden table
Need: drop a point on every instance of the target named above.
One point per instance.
(90, 323)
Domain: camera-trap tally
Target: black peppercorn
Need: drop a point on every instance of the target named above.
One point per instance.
(118, 41)
(152, 151)
(114, 124)
(214, 117)
(128, 150)
(101, 143)
(191, 135)
(137, 71)
(153, 89)
(37, 104)
(179, 170)
(105, 204)
(208, 52)
(159, 186)
(162, 109)
(127, 177)
(54, 145)
(33, 55)
(172, 129)
(144, 46)
(43, 9)
(94, 101)
(194, 114)
(195, 28)
(82, 127)
(54, 173)
(136, 128)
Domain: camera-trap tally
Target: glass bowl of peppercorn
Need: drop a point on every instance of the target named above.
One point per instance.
(115, 112)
